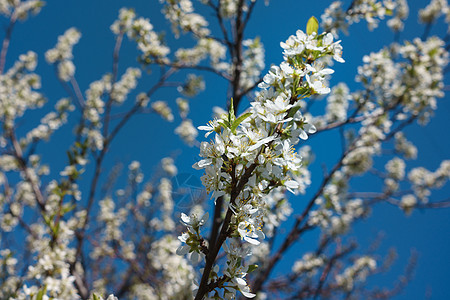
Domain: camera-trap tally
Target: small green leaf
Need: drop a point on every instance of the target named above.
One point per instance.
(312, 25)
(252, 268)
(231, 115)
(41, 293)
(95, 297)
(239, 121)
(293, 110)
(67, 208)
(224, 124)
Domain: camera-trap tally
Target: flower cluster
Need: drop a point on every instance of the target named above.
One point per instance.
(308, 264)
(62, 55)
(21, 8)
(336, 18)
(337, 103)
(361, 268)
(253, 62)
(434, 10)
(205, 47)
(50, 122)
(253, 154)
(18, 92)
(423, 180)
(187, 132)
(396, 83)
(141, 31)
(182, 16)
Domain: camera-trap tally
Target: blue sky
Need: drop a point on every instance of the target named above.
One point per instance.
(147, 138)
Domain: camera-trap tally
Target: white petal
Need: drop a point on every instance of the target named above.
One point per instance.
(182, 250)
(327, 39)
(240, 281)
(195, 257)
(206, 128)
(247, 293)
(310, 128)
(185, 218)
(261, 142)
(303, 135)
(291, 184)
(252, 241)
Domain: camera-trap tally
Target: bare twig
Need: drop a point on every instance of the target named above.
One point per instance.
(7, 40)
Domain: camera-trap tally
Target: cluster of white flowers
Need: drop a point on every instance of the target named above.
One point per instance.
(62, 55)
(51, 122)
(187, 132)
(392, 83)
(141, 30)
(278, 209)
(122, 88)
(401, 13)
(193, 243)
(162, 109)
(18, 87)
(193, 85)
(423, 78)
(359, 160)
(177, 273)
(396, 84)
(395, 172)
(182, 16)
(183, 107)
(308, 264)
(206, 47)
(404, 147)
(111, 231)
(253, 154)
(94, 104)
(335, 215)
(8, 265)
(336, 18)
(358, 272)
(423, 180)
(51, 268)
(236, 272)
(434, 10)
(337, 103)
(407, 203)
(169, 166)
(20, 8)
(229, 8)
(166, 200)
(253, 62)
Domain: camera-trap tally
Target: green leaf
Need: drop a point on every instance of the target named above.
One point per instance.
(239, 121)
(252, 268)
(70, 156)
(224, 124)
(293, 110)
(312, 25)
(231, 115)
(95, 297)
(41, 293)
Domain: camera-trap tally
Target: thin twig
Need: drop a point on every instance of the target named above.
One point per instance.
(7, 40)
